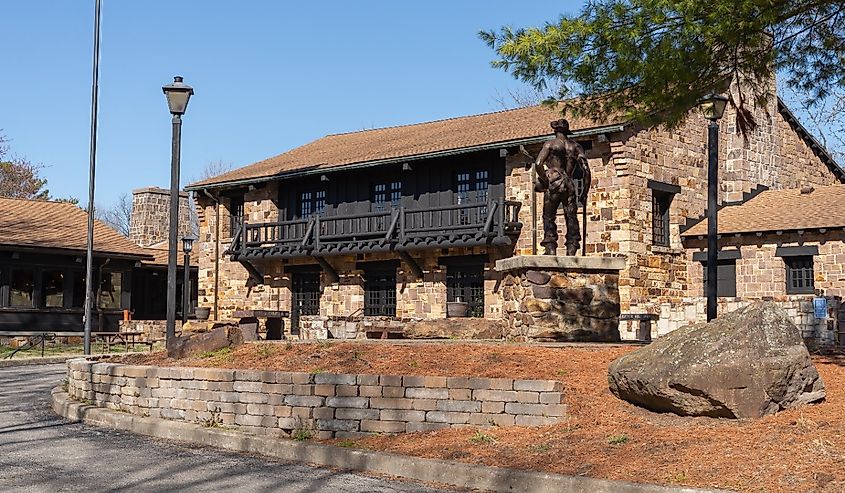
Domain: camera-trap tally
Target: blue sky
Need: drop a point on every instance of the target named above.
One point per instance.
(268, 76)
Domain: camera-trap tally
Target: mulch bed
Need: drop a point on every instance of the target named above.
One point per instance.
(796, 450)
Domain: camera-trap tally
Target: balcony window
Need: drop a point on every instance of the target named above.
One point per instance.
(312, 202)
(472, 186)
(387, 193)
(236, 214)
(380, 293)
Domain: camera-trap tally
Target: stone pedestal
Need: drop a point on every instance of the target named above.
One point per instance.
(551, 298)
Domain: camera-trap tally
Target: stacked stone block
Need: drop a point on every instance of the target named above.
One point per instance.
(150, 221)
(325, 404)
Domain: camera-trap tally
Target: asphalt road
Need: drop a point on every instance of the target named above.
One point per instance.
(40, 452)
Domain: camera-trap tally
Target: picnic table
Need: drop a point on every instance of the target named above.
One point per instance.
(127, 338)
(34, 338)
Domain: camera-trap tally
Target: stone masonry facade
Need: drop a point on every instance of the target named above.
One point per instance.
(324, 405)
(761, 275)
(619, 221)
(150, 216)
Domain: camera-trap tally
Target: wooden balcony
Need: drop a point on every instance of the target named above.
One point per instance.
(400, 229)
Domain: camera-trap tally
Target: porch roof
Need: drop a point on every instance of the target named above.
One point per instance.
(781, 210)
(41, 224)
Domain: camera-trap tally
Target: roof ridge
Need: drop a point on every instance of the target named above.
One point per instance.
(439, 120)
(49, 201)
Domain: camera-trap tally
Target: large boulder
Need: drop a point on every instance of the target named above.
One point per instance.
(744, 364)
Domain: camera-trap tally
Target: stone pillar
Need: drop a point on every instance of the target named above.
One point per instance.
(151, 216)
(551, 298)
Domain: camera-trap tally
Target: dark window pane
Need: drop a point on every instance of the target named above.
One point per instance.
(236, 214)
(320, 201)
(661, 203)
(78, 289)
(21, 286)
(380, 294)
(305, 204)
(725, 277)
(110, 289)
(800, 278)
(465, 283)
(52, 288)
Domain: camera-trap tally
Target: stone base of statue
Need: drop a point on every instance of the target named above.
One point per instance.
(561, 298)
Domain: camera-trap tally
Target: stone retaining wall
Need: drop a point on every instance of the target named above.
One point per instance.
(326, 404)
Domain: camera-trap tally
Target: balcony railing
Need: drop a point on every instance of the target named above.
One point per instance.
(402, 228)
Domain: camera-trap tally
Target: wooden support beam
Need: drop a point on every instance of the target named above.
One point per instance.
(254, 273)
(411, 263)
(334, 277)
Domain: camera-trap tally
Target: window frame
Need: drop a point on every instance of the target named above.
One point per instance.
(380, 298)
(236, 221)
(720, 278)
(466, 279)
(386, 193)
(803, 271)
(316, 201)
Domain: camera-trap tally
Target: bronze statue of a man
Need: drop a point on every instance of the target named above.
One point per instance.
(561, 156)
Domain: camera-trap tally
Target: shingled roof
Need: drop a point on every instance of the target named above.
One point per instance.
(60, 226)
(781, 210)
(407, 142)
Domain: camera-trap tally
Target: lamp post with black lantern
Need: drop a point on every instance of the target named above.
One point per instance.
(178, 94)
(713, 107)
(187, 246)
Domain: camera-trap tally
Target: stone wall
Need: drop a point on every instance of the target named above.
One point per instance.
(324, 404)
(153, 330)
(150, 221)
(817, 333)
(562, 298)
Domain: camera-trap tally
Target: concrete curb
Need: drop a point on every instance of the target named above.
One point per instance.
(52, 360)
(432, 470)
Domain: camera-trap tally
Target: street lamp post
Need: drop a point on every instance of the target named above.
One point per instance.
(187, 246)
(713, 107)
(178, 94)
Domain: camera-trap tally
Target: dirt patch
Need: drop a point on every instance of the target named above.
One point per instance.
(795, 450)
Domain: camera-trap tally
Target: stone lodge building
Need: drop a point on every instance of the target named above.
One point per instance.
(782, 245)
(388, 225)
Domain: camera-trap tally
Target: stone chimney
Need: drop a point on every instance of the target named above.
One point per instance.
(150, 216)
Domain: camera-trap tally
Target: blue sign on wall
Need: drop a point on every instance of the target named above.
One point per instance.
(820, 307)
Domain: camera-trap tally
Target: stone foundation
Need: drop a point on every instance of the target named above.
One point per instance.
(154, 330)
(323, 405)
(818, 334)
(552, 298)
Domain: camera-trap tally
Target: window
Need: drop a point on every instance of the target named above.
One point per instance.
(725, 278)
(21, 287)
(380, 293)
(236, 215)
(384, 193)
(52, 289)
(312, 202)
(465, 283)
(800, 278)
(110, 290)
(78, 300)
(660, 203)
(472, 186)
